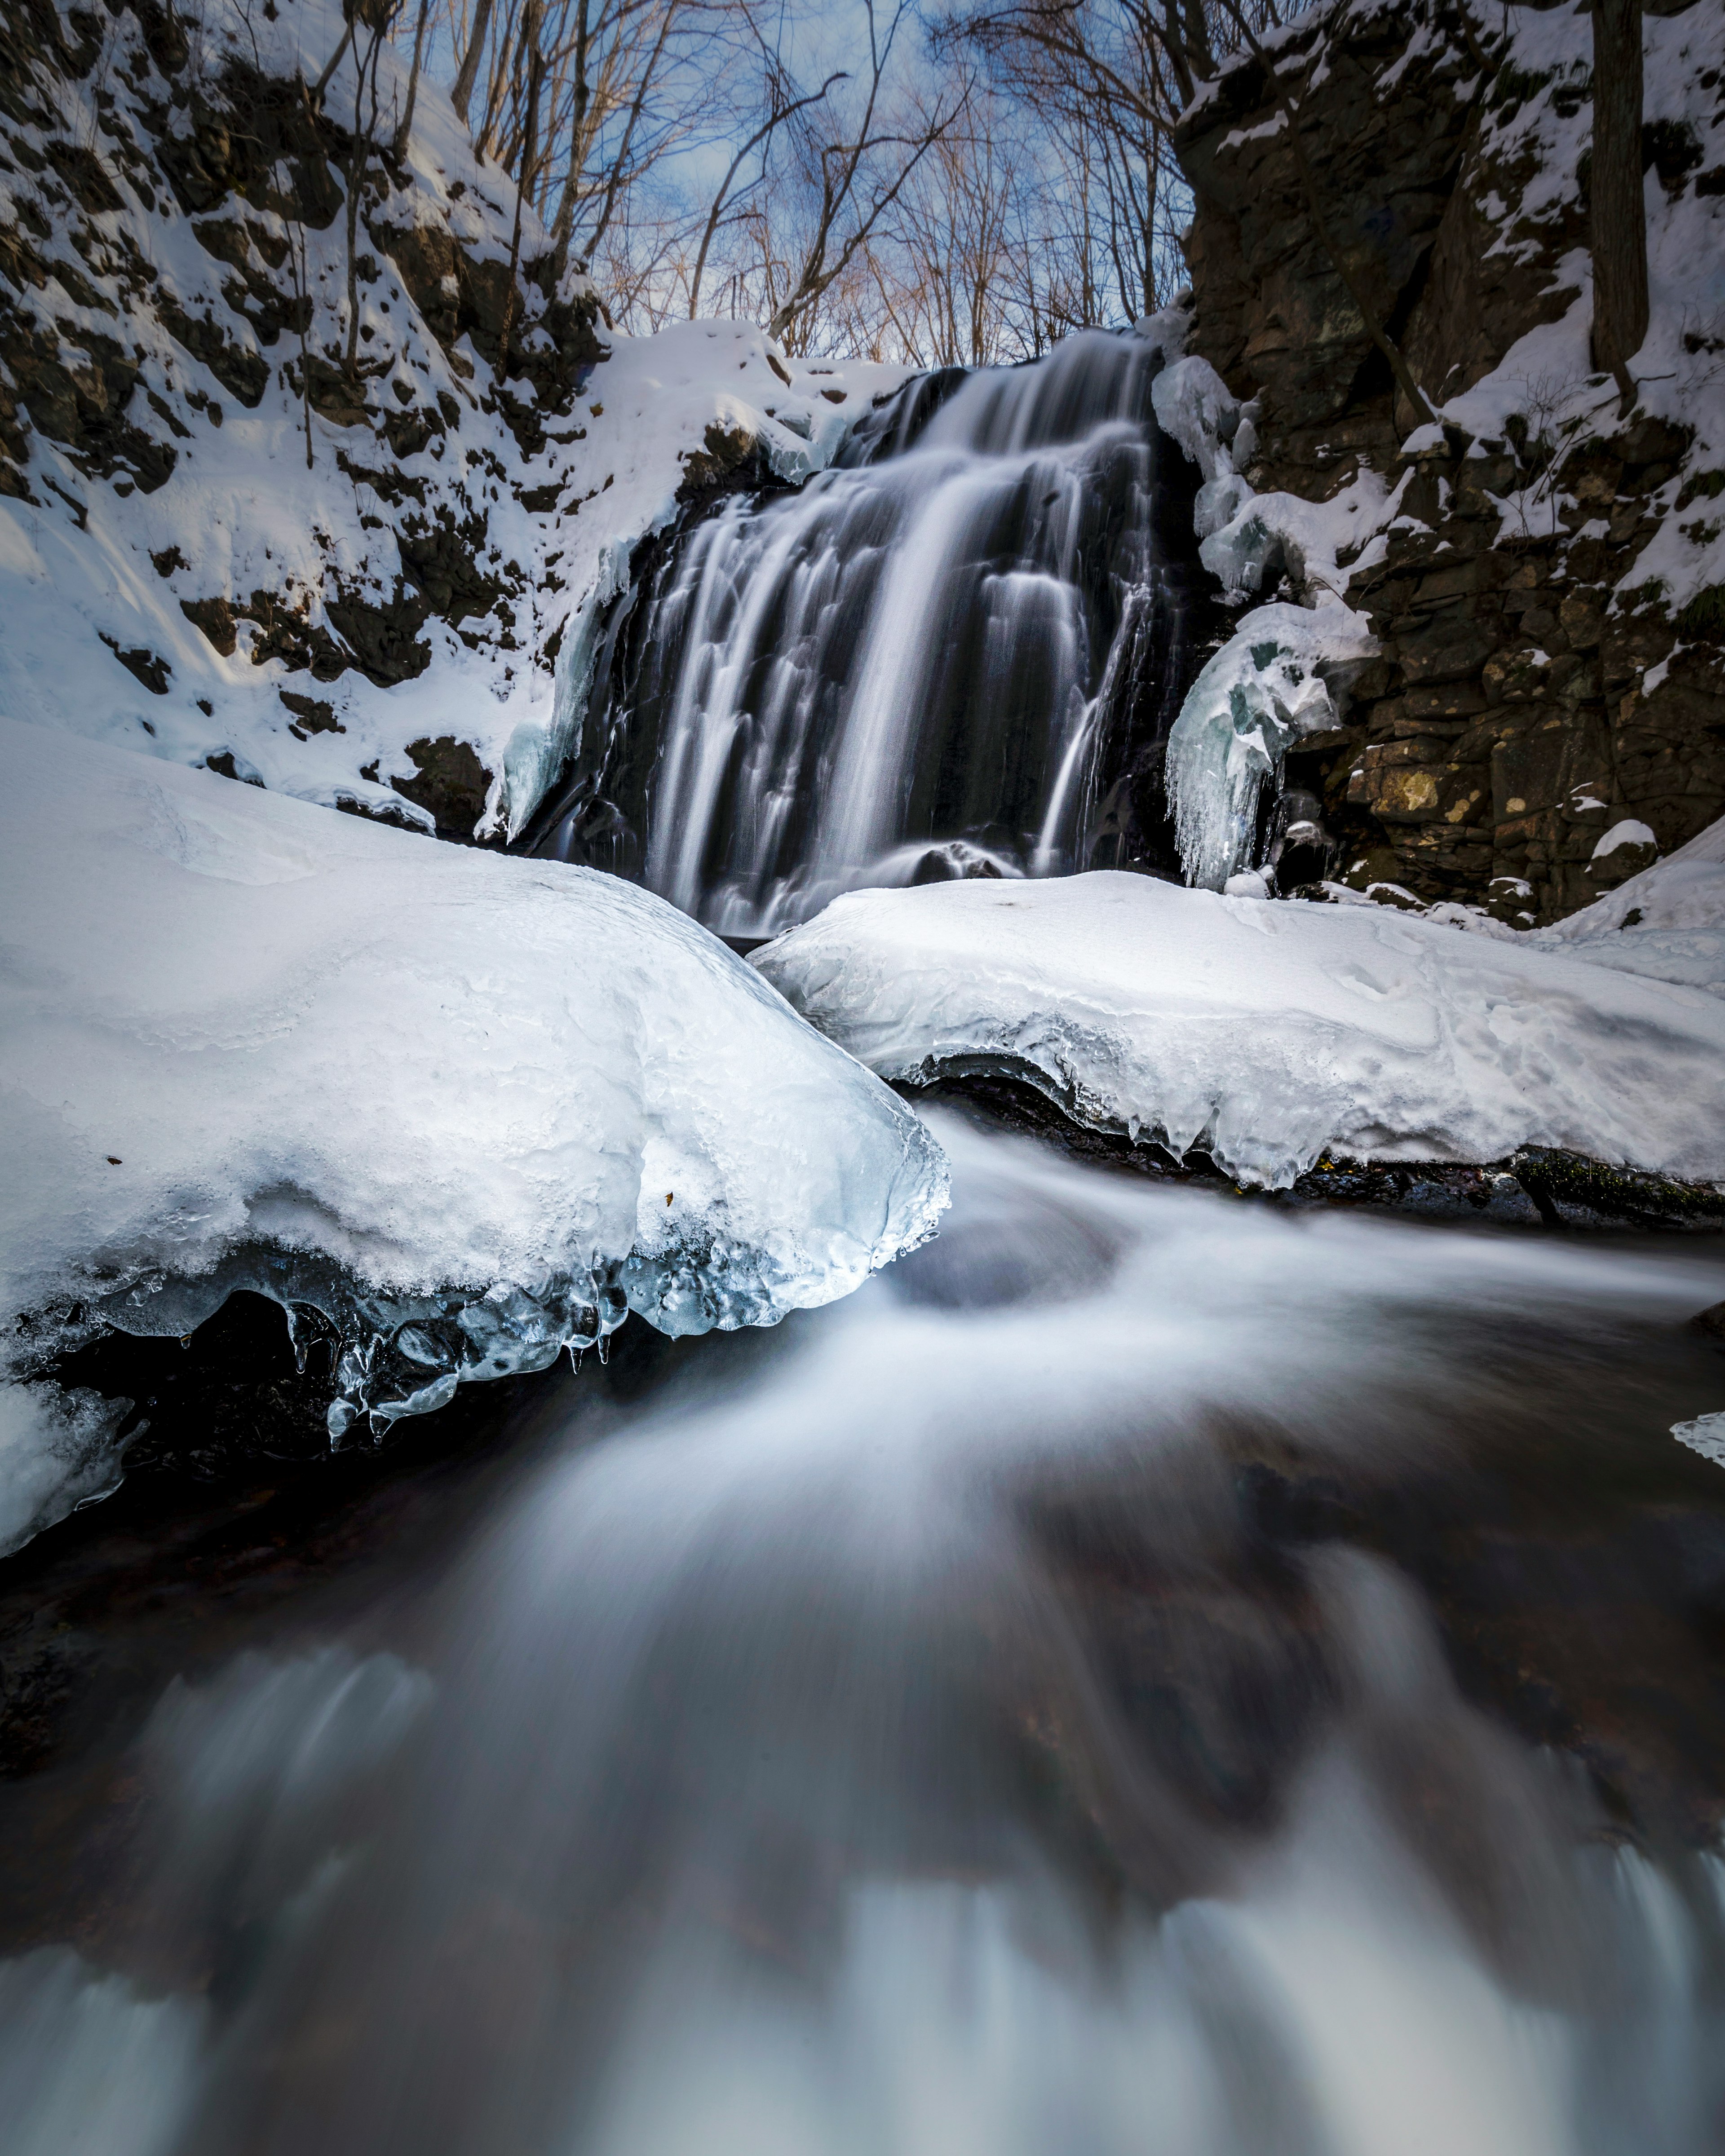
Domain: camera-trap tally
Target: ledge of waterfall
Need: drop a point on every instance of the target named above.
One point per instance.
(1274, 1035)
(453, 1111)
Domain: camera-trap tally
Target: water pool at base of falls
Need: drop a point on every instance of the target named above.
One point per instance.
(957, 652)
(1149, 1672)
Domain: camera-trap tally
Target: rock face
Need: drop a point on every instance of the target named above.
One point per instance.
(176, 251)
(1538, 687)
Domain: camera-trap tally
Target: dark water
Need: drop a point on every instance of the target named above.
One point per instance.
(1150, 1673)
(957, 652)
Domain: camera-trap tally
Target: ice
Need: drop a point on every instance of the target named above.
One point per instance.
(1268, 685)
(471, 1109)
(1193, 404)
(1706, 1435)
(1269, 1034)
(57, 1449)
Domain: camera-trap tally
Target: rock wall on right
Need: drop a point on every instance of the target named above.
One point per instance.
(1546, 580)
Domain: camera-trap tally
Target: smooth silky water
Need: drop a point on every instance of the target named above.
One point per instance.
(939, 657)
(922, 1731)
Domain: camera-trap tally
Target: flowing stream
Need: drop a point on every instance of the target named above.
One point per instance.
(1036, 1705)
(940, 658)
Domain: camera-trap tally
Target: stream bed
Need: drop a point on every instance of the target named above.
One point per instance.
(1152, 1671)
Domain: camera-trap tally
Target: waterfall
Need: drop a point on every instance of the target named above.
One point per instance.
(935, 660)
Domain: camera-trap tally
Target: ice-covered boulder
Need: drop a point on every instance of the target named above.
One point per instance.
(473, 1108)
(1269, 1034)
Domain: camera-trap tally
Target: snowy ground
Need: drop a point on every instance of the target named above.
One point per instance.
(473, 1108)
(1273, 1033)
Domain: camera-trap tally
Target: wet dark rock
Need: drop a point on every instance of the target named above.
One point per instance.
(215, 618)
(314, 715)
(1712, 1321)
(449, 780)
(143, 665)
(224, 763)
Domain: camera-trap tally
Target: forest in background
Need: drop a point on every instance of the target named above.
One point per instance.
(961, 187)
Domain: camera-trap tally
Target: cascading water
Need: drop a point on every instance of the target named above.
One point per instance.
(935, 660)
(1013, 1709)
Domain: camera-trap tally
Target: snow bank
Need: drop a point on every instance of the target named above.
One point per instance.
(1269, 1034)
(473, 1108)
(1667, 923)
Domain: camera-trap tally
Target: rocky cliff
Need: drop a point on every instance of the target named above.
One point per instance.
(314, 467)
(1547, 583)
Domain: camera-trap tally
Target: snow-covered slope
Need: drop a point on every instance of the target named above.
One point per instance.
(383, 627)
(471, 1107)
(1269, 1034)
(1668, 922)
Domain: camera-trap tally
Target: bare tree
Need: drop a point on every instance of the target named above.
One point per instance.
(404, 125)
(1618, 209)
(530, 152)
(781, 107)
(461, 91)
(857, 177)
(362, 142)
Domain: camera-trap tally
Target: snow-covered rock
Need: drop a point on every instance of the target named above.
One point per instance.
(1269, 1034)
(472, 1107)
(382, 593)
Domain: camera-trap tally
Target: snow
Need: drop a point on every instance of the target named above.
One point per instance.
(1629, 832)
(1269, 1034)
(1549, 371)
(473, 1107)
(1268, 685)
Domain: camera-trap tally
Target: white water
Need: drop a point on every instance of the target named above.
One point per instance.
(927, 646)
(896, 1741)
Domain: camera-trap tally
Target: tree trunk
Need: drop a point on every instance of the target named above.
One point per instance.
(404, 130)
(461, 97)
(1620, 215)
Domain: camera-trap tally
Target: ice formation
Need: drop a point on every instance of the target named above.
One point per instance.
(1267, 686)
(1268, 1034)
(1706, 1435)
(1272, 681)
(471, 1109)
